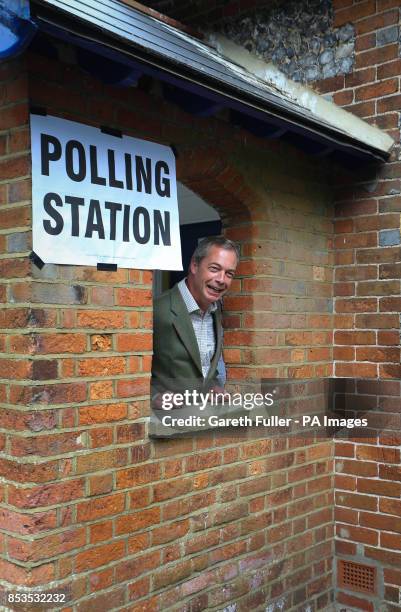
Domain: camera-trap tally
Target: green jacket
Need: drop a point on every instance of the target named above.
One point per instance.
(176, 362)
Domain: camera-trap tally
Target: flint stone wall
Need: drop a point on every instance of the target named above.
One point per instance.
(298, 37)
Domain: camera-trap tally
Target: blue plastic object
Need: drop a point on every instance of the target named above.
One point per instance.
(16, 28)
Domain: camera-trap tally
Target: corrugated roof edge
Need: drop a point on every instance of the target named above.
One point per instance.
(307, 99)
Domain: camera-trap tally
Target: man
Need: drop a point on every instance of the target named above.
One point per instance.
(187, 322)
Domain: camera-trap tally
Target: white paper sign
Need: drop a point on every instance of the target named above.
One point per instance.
(100, 198)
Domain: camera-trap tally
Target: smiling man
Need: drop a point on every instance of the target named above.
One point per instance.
(187, 340)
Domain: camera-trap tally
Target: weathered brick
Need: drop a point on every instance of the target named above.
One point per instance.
(105, 366)
(101, 460)
(102, 413)
(47, 445)
(46, 495)
(133, 297)
(98, 556)
(353, 13)
(100, 507)
(137, 521)
(134, 342)
(107, 319)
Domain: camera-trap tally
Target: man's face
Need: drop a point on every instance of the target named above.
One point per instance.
(209, 280)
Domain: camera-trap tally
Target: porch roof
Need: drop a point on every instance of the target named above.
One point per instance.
(202, 80)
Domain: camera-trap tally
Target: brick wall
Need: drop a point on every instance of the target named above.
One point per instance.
(367, 305)
(91, 505)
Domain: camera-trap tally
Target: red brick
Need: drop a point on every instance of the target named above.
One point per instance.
(344, 353)
(390, 472)
(362, 109)
(100, 484)
(137, 475)
(100, 555)
(365, 42)
(360, 77)
(390, 69)
(356, 501)
(102, 296)
(133, 387)
(47, 445)
(17, 369)
(379, 487)
(48, 546)
(378, 453)
(330, 84)
(102, 413)
(105, 366)
(379, 321)
(346, 483)
(344, 289)
(133, 297)
(137, 521)
(354, 273)
(376, 56)
(95, 319)
(358, 534)
(190, 504)
(46, 495)
(390, 103)
(134, 342)
(203, 461)
(59, 343)
(355, 602)
(392, 576)
(175, 531)
(101, 507)
(380, 255)
(383, 88)
(377, 21)
(355, 12)
(378, 354)
(343, 226)
(101, 460)
(130, 433)
(101, 579)
(24, 524)
(15, 217)
(384, 556)
(344, 97)
(356, 305)
(172, 488)
(355, 337)
(101, 390)
(131, 568)
(138, 589)
(380, 521)
(385, 5)
(390, 304)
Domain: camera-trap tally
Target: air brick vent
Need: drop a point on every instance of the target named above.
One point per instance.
(357, 577)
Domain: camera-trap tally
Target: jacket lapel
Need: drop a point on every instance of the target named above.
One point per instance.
(183, 326)
(218, 331)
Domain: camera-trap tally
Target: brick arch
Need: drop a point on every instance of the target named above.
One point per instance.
(211, 175)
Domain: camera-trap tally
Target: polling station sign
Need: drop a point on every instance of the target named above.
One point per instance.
(102, 197)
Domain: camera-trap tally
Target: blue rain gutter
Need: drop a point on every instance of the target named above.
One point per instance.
(16, 27)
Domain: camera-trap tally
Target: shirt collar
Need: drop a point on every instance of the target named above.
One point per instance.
(190, 302)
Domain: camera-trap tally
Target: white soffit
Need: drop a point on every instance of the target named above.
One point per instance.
(323, 109)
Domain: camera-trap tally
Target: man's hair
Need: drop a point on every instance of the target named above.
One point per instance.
(204, 246)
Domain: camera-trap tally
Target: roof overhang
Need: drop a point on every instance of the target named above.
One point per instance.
(202, 80)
